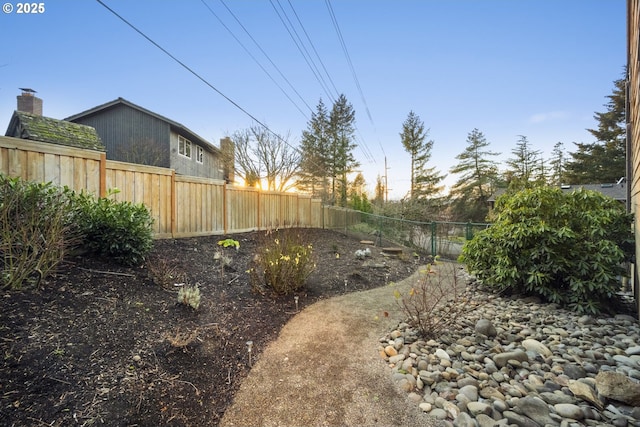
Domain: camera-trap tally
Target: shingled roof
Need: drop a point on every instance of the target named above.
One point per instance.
(45, 129)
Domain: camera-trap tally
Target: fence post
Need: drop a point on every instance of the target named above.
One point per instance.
(434, 228)
(468, 233)
(174, 204)
(102, 170)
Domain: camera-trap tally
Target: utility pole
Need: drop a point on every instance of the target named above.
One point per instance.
(386, 182)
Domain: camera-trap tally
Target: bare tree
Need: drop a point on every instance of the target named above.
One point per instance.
(261, 154)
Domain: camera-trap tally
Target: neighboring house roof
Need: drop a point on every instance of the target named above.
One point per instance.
(616, 191)
(45, 129)
(175, 126)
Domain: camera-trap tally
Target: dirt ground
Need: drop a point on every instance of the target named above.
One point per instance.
(99, 344)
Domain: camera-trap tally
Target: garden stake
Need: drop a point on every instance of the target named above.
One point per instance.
(249, 345)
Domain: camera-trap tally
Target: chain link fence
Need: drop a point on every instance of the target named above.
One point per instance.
(431, 238)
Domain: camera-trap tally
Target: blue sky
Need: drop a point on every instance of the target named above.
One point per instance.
(539, 68)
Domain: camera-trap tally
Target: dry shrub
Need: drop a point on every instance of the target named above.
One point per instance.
(162, 273)
(180, 338)
(436, 301)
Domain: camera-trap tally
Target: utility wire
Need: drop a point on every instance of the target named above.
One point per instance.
(263, 52)
(255, 60)
(350, 63)
(304, 30)
(302, 50)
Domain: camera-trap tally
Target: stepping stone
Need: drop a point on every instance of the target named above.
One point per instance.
(392, 251)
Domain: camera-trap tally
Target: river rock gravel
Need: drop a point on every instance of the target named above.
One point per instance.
(520, 362)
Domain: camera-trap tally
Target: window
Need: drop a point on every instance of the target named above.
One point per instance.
(184, 147)
(199, 154)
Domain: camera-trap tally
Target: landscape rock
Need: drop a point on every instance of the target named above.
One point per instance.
(544, 366)
(485, 327)
(619, 387)
(537, 346)
(536, 409)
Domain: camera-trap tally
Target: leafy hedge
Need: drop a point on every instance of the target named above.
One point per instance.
(567, 248)
(119, 230)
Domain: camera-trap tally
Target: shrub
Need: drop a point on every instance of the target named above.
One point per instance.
(119, 230)
(35, 229)
(565, 248)
(436, 301)
(283, 263)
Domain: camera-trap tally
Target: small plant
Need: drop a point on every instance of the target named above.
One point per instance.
(436, 301)
(283, 263)
(222, 257)
(189, 295)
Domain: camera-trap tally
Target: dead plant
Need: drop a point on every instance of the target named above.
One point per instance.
(437, 301)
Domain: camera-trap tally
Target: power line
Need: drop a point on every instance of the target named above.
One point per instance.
(254, 59)
(301, 48)
(304, 30)
(264, 53)
(343, 44)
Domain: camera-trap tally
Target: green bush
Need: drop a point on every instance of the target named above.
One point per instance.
(118, 230)
(565, 248)
(283, 263)
(35, 229)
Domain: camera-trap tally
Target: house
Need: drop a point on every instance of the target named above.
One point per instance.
(633, 128)
(617, 191)
(134, 134)
(28, 122)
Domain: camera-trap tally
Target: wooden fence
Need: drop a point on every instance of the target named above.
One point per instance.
(180, 205)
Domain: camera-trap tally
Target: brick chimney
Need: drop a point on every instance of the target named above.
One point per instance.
(227, 150)
(29, 103)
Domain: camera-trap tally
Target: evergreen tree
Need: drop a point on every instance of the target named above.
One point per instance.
(425, 181)
(478, 178)
(341, 147)
(558, 164)
(603, 161)
(314, 148)
(380, 191)
(358, 199)
(523, 168)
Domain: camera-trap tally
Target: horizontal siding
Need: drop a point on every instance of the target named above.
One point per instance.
(633, 123)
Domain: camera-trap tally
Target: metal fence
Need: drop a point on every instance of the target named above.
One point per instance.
(433, 238)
